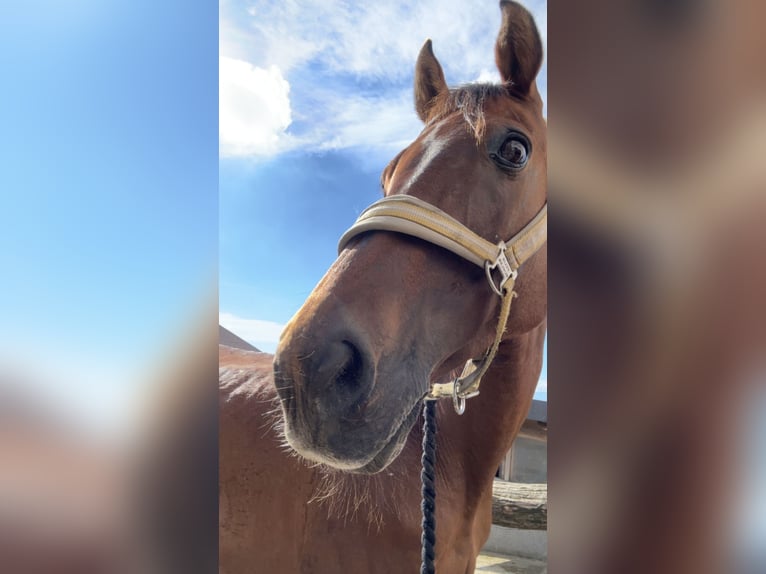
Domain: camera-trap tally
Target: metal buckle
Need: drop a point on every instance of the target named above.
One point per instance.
(502, 264)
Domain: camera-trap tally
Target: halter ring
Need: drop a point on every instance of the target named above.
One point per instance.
(457, 400)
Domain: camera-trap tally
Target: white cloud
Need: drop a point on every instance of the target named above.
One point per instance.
(322, 47)
(375, 125)
(254, 109)
(262, 334)
(372, 39)
(489, 76)
(542, 386)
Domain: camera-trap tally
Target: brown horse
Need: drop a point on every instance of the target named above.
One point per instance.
(392, 315)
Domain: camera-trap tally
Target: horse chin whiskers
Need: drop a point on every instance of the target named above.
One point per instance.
(313, 459)
(346, 496)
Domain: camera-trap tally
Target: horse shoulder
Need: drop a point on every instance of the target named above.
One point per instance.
(263, 490)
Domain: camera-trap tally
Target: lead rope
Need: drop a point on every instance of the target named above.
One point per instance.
(428, 489)
(428, 458)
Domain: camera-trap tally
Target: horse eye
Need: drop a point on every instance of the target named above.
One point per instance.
(514, 152)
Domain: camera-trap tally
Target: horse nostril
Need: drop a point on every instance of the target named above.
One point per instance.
(340, 371)
(350, 372)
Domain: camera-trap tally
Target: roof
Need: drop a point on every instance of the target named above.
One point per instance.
(226, 337)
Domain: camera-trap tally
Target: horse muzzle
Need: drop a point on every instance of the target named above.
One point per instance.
(332, 410)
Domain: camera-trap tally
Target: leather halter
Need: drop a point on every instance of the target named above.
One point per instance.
(412, 216)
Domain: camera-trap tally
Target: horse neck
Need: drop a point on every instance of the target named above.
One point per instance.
(478, 440)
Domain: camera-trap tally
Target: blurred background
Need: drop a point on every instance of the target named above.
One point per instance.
(657, 133)
(109, 236)
(108, 251)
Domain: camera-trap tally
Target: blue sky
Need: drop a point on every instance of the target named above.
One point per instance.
(109, 189)
(315, 100)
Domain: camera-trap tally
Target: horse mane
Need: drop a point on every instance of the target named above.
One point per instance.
(468, 99)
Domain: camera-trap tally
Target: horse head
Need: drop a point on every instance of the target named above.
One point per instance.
(394, 313)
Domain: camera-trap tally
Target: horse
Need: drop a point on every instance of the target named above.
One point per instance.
(319, 446)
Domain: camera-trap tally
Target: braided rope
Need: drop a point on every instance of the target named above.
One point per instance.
(427, 479)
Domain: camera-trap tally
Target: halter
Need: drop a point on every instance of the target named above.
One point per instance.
(412, 216)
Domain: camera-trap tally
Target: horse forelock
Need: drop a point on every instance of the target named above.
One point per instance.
(470, 100)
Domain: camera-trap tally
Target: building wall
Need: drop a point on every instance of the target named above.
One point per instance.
(529, 460)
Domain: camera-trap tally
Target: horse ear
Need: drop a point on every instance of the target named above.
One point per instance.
(429, 80)
(518, 50)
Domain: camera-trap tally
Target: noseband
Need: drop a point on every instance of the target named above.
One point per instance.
(412, 216)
